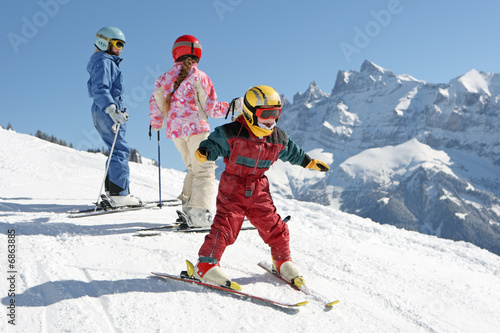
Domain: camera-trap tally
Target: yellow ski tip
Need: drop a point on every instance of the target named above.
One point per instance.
(332, 303)
(302, 303)
(190, 268)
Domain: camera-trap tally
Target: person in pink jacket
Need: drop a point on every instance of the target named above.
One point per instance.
(183, 99)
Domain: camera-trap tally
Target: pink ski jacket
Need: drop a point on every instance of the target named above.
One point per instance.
(191, 104)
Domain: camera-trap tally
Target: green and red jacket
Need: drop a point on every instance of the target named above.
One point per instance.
(246, 155)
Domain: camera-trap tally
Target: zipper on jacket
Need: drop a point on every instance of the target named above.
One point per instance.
(215, 244)
(249, 181)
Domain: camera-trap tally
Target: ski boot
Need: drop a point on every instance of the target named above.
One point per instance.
(289, 272)
(207, 269)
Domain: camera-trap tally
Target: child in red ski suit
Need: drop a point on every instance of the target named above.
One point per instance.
(250, 145)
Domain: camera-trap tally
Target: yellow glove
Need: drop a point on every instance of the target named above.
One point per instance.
(200, 157)
(318, 165)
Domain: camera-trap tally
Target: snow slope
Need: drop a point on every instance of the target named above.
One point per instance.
(93, 274)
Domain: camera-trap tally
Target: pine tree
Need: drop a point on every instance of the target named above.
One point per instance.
(135, 156)
(51, 138)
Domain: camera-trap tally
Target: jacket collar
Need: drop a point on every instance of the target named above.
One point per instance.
(114, 58)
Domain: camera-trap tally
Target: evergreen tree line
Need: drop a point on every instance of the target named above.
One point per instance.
(134, 153)
(51, 138)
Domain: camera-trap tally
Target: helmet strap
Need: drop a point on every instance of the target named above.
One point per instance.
(249, 106)
(103, 37)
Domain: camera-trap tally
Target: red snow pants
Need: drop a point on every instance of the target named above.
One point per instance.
(233, 204)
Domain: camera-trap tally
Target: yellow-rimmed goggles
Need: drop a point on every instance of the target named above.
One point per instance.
(117, 43)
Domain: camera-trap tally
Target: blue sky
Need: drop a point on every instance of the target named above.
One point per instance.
(46, 44)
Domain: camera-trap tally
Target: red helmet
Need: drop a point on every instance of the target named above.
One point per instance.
(186, 44)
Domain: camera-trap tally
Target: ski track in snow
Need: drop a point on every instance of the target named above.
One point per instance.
(93, 275)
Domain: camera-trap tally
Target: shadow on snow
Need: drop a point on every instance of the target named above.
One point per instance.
(53, 292)
(37, 208)
(41, 227)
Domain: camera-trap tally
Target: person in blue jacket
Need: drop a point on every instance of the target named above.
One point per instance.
(105, 86)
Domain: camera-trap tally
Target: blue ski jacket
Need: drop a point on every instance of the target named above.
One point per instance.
(105, 85)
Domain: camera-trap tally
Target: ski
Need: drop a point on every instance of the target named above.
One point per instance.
(184, 277)
(99, 210)
(168, 202)
(182, 226)
(305, 289)
(177, 228)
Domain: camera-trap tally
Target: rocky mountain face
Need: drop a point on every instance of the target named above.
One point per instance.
(420, 156)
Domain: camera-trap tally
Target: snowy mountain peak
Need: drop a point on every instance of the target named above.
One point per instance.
(311, 95)
(390, 160)
(313, 87)
(379, 73)
(474, 81)
(374, 69)
(380, 116)
(370, 77)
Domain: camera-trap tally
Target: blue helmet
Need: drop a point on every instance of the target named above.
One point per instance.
(105, 35)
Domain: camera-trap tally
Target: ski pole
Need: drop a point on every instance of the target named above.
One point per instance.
(159, 172)
(109, 161)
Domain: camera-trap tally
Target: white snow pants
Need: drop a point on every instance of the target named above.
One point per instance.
(198, 185)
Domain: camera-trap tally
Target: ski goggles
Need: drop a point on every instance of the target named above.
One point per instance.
(117, 43)
(265, 113)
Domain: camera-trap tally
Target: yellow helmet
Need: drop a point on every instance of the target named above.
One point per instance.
(262, 102)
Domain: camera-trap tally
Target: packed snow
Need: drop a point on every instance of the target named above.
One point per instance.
(93, 274)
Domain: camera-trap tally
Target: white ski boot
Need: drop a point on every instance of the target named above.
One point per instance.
(289, 272)
(207, 269)
(198, 218)
(125, 200)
